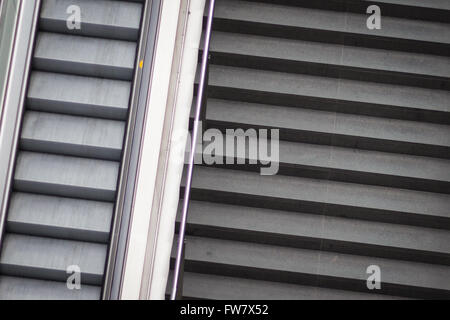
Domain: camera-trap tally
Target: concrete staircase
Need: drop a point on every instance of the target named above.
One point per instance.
(364, 173)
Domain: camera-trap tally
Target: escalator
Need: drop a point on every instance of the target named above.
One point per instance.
(70, 149)
(364, 177)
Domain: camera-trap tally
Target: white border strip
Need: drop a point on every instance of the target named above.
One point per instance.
(156, 199)
(177, 146)
(151, 147)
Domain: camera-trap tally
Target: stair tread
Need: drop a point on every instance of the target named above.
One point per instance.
(328, 195)
(48, 259)
(84, 55)
(328, 122)
(316, 263)
(372, 60)
(78, 95)
(15, 288)
(296, 224)
(66, 176)
(60, 217)
(329, 159)
(56, 133)
(335, 21)
(113, 19)
(208, 286)
(330, 90)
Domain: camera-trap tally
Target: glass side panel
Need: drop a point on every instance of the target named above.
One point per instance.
(8, 19)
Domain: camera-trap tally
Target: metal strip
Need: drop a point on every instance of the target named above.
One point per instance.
(130, 158)
(20, 106)
(187, 190)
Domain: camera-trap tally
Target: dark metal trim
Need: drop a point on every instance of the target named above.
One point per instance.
(132, 144)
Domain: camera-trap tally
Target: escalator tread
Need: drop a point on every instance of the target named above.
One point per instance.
(70, 148)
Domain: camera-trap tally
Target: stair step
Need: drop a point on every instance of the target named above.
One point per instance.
(58, 217)
(332, 198)
(84, 56)
(208, 286)
(72, 135)
(331, 26)
(339, 164)
(318, 232)
(349, 96)
(13, 288)
(103, 19)
(313, 267)
(48, 259)
(77, 95)
(432, 10)
(66, 176)
(332, 128)
(330, 60)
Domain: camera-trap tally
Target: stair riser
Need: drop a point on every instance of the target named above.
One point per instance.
(290, 100)
(83, 69)
(351, 39)
(328, 70)
(310, 280)
(316, 244)
(57, 232)
(77, 109)
(64, 190)
(55, 275)
(339, 140)
(320, 208)
(333, 174)
(90, 30)
(71, 149)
